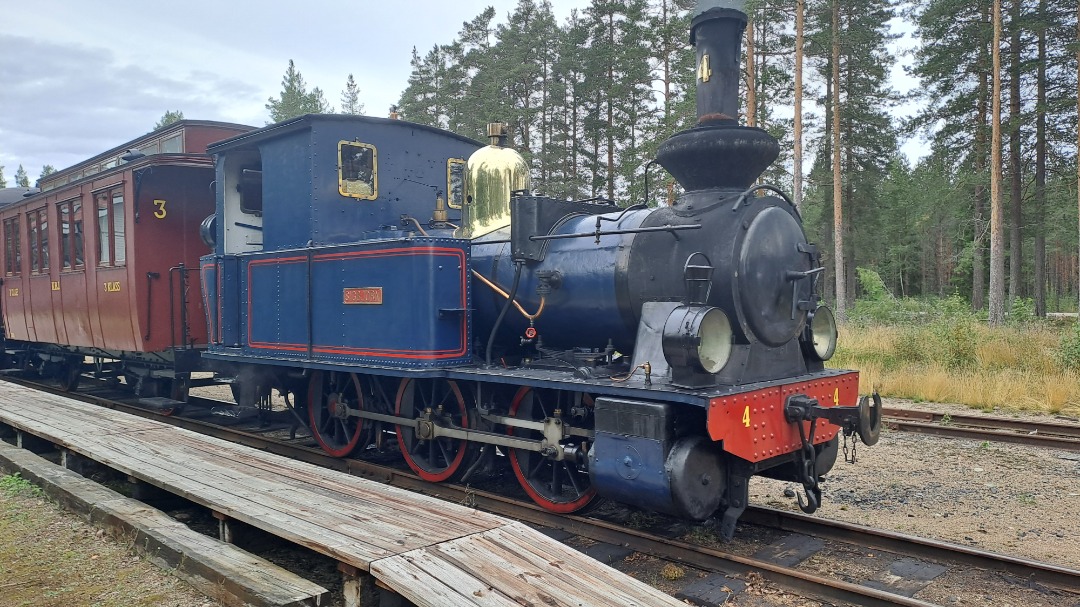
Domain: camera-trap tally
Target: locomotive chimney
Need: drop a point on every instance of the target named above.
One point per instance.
(717, 152)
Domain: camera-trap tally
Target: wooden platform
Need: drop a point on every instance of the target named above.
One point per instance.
(429, 551)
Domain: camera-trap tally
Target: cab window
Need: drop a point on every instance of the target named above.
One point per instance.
(455, 183)
(358, 170)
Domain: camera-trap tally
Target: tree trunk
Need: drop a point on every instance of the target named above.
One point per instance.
(800, 9)
(978, 271)
(1040, 170)
(751, 76)
(838, 208)
(611, 113)
(666, 59)
(997, 228)
(1016, 243)
(1078, 118)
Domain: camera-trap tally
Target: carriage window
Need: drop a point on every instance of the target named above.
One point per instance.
(112, 240)
(104, 240)
(12, 251)
(71, 233)
(173, 145)
(358, 170)
(119, 239)
(37, 227)
(455, 183)
(31, 232)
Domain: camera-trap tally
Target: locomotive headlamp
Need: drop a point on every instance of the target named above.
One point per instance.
(820, 337)
(697, 340)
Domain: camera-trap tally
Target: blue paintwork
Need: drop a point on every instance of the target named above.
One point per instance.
(208, 284)
(301, 201)
(420, 321)
(287, 301)
(630, 469)
(584, 311)
(231, 298)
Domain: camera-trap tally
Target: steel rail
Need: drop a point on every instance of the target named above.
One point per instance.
(999, 429)
(1046, 574)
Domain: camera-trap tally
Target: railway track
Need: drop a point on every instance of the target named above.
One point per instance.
(976, 427)
(1055, 581)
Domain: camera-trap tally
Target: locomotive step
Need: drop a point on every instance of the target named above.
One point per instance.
(160, 403)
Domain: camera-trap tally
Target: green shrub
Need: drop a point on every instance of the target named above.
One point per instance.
(1069, 350)
(873, 287)
(958, 340)
(1022, 312)
(875, 305)
(912, 347)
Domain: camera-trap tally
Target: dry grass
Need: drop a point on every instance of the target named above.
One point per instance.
(51, 558)
(1010, 368)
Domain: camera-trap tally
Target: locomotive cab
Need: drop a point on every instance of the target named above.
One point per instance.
(330, 247)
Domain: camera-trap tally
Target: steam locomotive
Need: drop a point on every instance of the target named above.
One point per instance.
(403, 284)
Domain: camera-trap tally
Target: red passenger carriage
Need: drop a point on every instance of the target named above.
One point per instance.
(73, 285)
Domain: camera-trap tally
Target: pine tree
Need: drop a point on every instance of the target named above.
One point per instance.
(857, 135)
(672, 62)
(168, 118)
(427, 99)
(838, 200)
(1016, 176)
(953, 64)
(797, 137)
(471, 80)
(3, 182)
(567, 177)
(350, 98)
(45, 172)
(769, 79)
(997, 227)
(295, 100)
(22, 180)
(621, 94)
(1040, 167)
(516, 73)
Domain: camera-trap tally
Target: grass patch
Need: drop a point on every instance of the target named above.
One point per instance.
(1024, 367)
(51, 558)
(14, 485)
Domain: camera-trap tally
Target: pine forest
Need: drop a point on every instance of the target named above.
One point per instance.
(986, 214)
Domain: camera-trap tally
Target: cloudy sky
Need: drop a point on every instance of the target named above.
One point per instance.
(77, 77)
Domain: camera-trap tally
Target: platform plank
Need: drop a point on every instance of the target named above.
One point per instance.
(532, 570)
(432, 552)
(355, 529)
